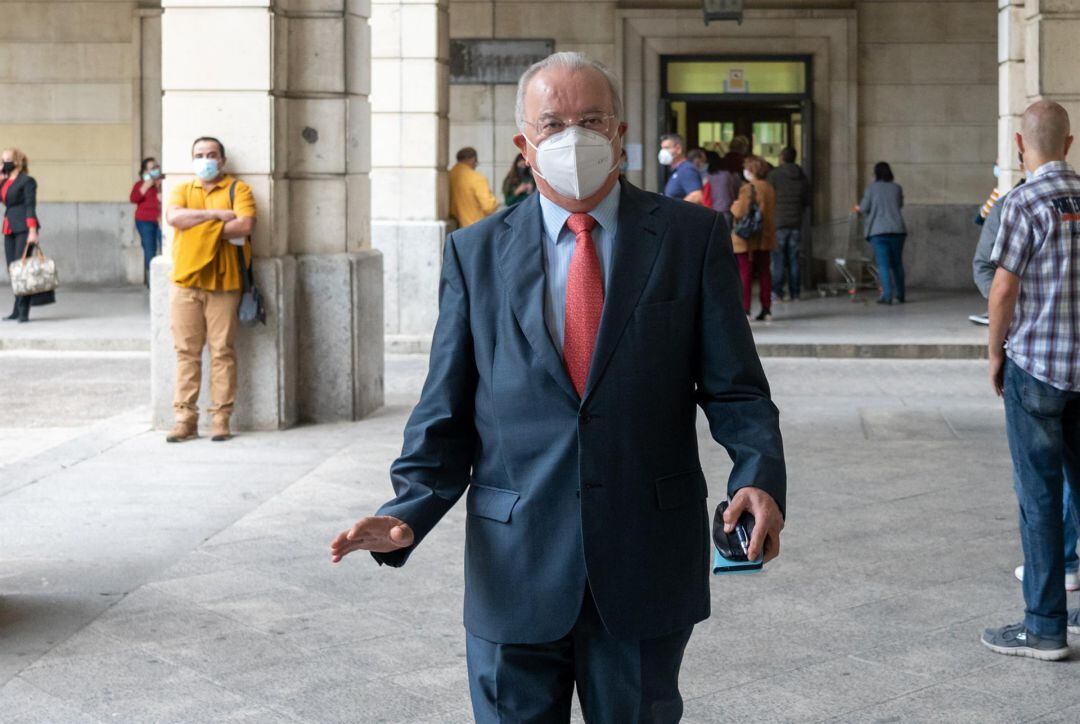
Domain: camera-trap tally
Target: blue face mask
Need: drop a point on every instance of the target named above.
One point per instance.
(205, 168)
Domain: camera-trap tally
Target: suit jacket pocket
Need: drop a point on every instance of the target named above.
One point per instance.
(491, 503)
(675, 491)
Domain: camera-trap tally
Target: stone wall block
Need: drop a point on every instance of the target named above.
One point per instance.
(238, 39)
(386, 41)
(317, 215)
(358, 53)
(385, 85)
(421, 39)
(358, 136)
(358, 212)
(386, 141)
(472, 104)
(243, 122)
(340, 344)
(316, 55)
(316, 135)
(102, 228)
(1058, 57)
(386, 238)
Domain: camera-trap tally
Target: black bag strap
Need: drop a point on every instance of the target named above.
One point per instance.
(245, 269)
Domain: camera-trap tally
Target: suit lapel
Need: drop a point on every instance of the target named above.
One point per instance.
(637, 243)
(521, 263)
(15, 191)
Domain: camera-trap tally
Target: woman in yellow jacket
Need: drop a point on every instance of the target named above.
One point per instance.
(753, 253)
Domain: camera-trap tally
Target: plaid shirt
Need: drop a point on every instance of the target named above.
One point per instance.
(1039, 241)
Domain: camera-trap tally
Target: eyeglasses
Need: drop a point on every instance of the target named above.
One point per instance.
(550, 125)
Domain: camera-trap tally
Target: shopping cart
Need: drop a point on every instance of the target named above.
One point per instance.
(840, 245)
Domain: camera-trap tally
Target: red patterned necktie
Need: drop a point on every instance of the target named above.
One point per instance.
(584, 301)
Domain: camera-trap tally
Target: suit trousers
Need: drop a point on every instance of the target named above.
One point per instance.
(618, 681)
(199, 318)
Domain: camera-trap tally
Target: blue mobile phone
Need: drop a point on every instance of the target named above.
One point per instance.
(731, 548)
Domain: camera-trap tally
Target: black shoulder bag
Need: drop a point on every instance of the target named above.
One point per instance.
(251, 311)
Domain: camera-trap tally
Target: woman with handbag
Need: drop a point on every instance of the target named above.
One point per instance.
(753, 236)
(18, 192)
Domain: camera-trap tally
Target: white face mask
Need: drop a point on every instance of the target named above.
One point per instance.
(747, 175)
(664, 157)
(205, 168)
(574, 162)
(997, 171)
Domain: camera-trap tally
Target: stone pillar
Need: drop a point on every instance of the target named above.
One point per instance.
(287, 95)
(409, 99)
(1012, 90)
(1038, 57)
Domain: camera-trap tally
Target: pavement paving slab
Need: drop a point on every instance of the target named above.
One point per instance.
(189, 583)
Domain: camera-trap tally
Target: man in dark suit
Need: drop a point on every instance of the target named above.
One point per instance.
(577, 333)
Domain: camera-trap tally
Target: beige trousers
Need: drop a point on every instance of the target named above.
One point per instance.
(198, 318)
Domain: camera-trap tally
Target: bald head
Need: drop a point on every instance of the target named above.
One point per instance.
(1045, 129)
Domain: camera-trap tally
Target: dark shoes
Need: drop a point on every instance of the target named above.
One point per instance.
(764, 316)
(883, 300)
(1016, 640)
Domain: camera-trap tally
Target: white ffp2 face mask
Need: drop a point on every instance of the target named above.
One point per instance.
(574, 162)
(665, 157)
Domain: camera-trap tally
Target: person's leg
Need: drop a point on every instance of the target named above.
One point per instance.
(221, 324)
(896, 259)
(761, 261)
(627, 681)
(1072, 560)
(747, 280)
(148, 239)
(187, 320)
(777, 261)
(794, 282)
(881, 256)
(520, 682)
(1070, 423)
(1033, 421)
(9, 256)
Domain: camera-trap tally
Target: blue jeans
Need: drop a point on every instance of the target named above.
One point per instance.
(1043, 424)
(150, 235)
(889, 253)
(787, 250)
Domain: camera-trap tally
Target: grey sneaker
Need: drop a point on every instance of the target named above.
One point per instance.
(1074, 621)
(1016, 640)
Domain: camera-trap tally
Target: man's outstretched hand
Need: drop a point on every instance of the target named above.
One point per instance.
(376, 533)
(768, 522)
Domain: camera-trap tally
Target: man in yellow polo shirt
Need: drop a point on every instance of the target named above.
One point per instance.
(214, 215)
(470, 196)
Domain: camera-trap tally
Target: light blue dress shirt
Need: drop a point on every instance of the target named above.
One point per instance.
(559, 245)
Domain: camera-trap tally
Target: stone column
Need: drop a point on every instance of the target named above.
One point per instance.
(1038, 58)
(1012, 89)
(409, 100)
(285, 91)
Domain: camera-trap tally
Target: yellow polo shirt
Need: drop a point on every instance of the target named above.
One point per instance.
(201, 258)
(470, 196)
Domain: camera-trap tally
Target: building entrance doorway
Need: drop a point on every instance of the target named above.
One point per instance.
(709, 100)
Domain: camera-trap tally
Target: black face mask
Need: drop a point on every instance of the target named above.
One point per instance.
(8, 167)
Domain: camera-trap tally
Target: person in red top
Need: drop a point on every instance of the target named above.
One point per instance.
(18, 193)
(145, 194)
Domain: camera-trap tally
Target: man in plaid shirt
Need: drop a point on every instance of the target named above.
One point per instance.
(1035, 304)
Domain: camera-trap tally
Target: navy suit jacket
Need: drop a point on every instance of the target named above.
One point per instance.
(606, 489)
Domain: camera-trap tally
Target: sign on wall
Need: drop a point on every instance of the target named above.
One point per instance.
(475, 62)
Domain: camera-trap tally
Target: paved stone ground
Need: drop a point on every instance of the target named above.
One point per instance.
(147, 582)
(117, 319)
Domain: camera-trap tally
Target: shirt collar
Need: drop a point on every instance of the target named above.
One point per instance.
(1051, 167)
(606, 214)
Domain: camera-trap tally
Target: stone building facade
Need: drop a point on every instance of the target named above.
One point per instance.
(342, 115)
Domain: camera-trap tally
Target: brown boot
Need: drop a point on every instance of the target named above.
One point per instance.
(219, 429)
(183, 431)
